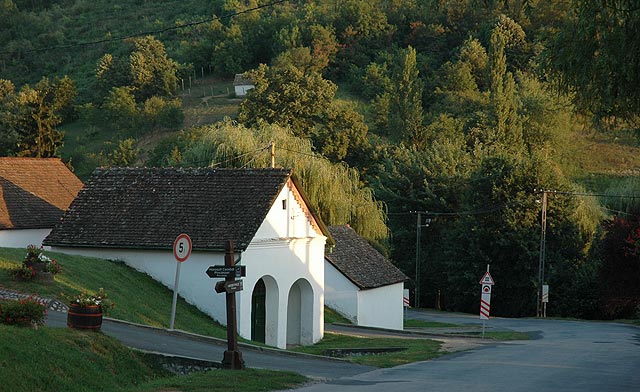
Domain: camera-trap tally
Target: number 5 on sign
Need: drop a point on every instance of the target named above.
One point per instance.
(182, 247)
(181, 251)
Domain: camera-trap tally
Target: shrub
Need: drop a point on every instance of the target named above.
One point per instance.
(28, 311)
(23, 272)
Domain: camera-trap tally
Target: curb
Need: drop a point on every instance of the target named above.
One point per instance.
(223, 342)
(408, 332)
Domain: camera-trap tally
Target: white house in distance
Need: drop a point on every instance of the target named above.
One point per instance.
(241, 85)
(135, 215)
(361, 284)
(34, 194)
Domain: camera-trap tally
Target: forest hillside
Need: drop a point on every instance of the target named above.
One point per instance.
(460, 120)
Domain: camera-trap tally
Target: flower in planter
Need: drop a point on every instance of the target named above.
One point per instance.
(33, 254)
(87, 299)
(36, 257)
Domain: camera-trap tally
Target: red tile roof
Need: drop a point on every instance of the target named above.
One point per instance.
(35, 192)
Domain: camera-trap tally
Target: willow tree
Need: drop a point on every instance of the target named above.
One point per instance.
(334, 190)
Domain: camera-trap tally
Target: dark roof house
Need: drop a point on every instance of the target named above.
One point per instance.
(241, 85)
(361, 284)
(360, 262)
(35, 192)
(134, 215)
(148, 207)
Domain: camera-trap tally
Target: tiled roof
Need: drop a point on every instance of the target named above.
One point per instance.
(360, 262)
(149, 207)
(240, 80)
(34, 192)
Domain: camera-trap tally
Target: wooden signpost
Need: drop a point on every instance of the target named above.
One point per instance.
(232, 357)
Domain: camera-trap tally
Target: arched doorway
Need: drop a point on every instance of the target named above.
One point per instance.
(300, 314)
(264, 311)
(259, 312)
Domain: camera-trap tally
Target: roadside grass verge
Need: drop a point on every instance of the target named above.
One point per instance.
(416, 349)
(59, 359)
(496, 335)
(412, 323)
(138, 298)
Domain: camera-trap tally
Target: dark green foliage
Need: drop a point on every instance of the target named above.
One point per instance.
(596, 56)
(29, 118)
(619, 274)
(288, 97)
(147, 71)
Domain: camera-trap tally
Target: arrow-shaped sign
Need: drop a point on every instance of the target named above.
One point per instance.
(221, 271)
(230, 286)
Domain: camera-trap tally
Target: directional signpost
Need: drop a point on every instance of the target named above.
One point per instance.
(181, 251)
(229, 271)
(485, 297)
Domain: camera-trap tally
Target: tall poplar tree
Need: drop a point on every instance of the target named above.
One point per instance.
(507, 128)
(405, 101)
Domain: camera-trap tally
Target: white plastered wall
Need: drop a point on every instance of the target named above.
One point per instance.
(340, 293)
(381, 307)
(287, 248)
(20, 238)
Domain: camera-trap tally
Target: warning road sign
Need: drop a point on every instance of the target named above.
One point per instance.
(485, 306)
(486, 289)
(487, 279)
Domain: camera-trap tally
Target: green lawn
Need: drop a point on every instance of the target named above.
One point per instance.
(138, 297)
(416, 349)
(411, 323)
(58, 359)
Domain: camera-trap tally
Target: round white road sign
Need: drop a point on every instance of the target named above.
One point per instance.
(182, 247)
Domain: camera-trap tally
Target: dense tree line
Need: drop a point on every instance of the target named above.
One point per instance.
(459, 108)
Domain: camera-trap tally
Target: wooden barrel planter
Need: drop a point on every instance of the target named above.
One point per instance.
(84, 317)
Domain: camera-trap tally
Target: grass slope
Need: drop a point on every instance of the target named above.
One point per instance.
(138, 297)
(54, 359)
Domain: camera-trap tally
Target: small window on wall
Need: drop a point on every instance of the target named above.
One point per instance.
(284, 204)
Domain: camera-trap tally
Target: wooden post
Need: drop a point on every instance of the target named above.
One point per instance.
(273, 154)
(232, 357)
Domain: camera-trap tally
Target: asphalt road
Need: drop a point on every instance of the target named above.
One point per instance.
(161, 341)
(565, 356)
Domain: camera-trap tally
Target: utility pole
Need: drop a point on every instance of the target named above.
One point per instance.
(541, 261)
(273, 154)
(417, 300)
(419, 227)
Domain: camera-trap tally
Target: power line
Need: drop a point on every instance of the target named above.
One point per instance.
(452, 213)
(143, 33)
(620, 212)
(225, 161)
(302, 153)
(586, 194)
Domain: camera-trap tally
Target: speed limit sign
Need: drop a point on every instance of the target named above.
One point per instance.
(182, 247)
